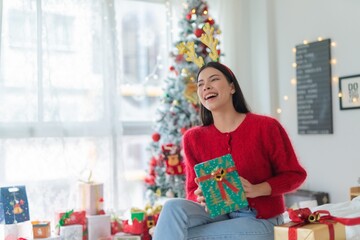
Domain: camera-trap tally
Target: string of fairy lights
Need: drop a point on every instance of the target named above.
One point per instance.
(293, 81)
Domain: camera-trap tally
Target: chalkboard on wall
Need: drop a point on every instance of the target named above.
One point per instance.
(314, 98)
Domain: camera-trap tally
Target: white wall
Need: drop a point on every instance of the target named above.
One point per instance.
(260, 52)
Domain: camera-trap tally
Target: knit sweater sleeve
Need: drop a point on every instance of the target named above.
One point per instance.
(288, 173)
(190, 161)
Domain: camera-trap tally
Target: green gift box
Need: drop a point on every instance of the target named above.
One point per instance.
(139, 215)
(220, 183)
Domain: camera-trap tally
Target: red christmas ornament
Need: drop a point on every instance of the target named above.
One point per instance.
(198, 32)
(210, 21)
(188, 16)
(156, 137)
(172, 68)
(153, 162)
(150, 180)
(179, 58)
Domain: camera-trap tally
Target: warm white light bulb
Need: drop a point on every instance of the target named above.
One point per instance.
(286, 98)
(278, 110)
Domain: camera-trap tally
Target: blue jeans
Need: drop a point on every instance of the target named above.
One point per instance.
(182, 219)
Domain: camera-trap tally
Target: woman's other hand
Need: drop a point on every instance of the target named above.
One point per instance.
(255, 190)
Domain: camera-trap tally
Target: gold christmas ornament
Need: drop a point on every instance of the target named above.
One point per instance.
(184, 72)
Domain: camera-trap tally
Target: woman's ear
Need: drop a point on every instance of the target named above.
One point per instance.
(232, 88)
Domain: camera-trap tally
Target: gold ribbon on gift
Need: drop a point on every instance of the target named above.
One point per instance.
(219, 176)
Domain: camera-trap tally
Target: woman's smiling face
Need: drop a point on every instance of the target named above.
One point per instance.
(214, 90)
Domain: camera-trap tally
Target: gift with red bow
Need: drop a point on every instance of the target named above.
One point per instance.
(318, 225)
(220, 183)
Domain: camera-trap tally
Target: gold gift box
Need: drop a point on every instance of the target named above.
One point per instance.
(311, 231)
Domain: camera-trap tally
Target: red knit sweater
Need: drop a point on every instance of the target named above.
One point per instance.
(261, 150)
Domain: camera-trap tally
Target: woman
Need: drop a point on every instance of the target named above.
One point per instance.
(263, 156)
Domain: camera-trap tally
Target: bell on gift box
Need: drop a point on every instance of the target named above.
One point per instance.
(17, 209)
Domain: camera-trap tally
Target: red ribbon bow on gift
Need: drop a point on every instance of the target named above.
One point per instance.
(219, 176)
(304, 216)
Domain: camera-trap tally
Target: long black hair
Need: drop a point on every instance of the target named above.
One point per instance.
(238, 98)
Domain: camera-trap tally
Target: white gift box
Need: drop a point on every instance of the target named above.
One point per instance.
(99, 226)
(126, 236)
(15, 231)
(91, 197)
(71, 232)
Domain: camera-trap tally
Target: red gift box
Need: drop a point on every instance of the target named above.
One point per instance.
(70, 218)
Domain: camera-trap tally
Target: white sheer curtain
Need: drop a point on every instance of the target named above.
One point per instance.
(79, 83)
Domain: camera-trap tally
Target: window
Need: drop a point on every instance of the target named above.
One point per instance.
(79, 85)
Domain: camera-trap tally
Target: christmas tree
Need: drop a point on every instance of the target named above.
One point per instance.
(178, 109)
